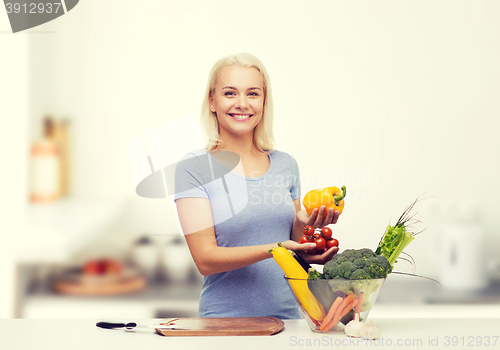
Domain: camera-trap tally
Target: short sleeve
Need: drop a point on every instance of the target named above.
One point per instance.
(295, 177)
(190, 178)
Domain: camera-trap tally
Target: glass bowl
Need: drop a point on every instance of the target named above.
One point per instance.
(329, 304)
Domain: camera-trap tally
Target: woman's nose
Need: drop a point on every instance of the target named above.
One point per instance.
(242, 102)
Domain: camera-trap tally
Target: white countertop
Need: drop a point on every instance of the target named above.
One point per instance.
(434, 333)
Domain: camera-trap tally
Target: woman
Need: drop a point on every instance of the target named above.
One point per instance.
(231, 222)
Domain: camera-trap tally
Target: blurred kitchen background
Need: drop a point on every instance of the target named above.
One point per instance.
(393, 99)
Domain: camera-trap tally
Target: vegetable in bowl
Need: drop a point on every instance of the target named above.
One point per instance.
(397, 237)
(340, 298)
(353, 276)
(357, 264)
(351, 281)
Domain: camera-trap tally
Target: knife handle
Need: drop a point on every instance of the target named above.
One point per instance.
(305, 265)
(111, 325)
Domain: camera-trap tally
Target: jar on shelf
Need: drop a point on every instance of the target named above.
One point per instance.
(45, 167)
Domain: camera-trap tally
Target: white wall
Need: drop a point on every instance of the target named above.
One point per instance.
(391, 98)
(13, 151)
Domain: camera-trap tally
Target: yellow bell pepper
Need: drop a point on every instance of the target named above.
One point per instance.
(331, 197)
(292, 269)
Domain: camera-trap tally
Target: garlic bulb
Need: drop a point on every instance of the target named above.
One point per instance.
(369, 331)
(353, 327)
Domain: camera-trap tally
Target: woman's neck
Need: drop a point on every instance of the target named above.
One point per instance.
(241, 144)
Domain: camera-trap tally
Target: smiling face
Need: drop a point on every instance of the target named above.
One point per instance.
(238, 99)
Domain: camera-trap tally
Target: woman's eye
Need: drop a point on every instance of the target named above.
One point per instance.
(229, 93)
(254, 94)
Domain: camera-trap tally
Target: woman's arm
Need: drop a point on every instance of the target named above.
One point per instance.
(195, 216)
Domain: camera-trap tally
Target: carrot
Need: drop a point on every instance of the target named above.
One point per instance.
(357, 310)
(337, 317)
(346, 301)
(348, 308)
(347, 304)
(331, 312)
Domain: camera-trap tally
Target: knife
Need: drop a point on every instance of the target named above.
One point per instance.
(133, 325)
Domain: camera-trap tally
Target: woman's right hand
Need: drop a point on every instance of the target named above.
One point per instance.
(319, 218)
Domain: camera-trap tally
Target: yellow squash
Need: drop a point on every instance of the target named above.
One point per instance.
(292, 269)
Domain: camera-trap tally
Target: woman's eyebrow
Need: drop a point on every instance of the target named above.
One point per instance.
(232, 87)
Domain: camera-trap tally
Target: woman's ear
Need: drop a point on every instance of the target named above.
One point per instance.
(211, 104)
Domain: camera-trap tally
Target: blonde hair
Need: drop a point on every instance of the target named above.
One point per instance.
(263, 138)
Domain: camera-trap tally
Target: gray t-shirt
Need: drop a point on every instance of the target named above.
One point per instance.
(246, 211)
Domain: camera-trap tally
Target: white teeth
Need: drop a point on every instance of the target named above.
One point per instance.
(238, 116)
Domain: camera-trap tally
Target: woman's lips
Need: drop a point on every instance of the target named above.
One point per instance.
(241, 117)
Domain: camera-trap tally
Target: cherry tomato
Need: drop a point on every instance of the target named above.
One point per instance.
(327, 232)
(320, 243)
(305, 239)
(332, 243)
(317, 235)
(308, 230)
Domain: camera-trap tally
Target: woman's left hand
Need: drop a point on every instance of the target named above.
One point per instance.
(320, 259)
(318, 219)
(301, 248)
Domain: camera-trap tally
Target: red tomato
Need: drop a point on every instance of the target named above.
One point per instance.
(305, 239)
(332, 243)
(320, 243)
(308, 230)
(327, 232)
(92, 267)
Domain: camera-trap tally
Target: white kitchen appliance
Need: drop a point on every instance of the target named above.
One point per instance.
(463, 260)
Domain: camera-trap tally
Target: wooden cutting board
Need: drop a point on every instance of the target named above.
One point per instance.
(222, 326)
(113, 286)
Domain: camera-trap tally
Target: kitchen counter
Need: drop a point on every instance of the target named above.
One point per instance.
(405, 333)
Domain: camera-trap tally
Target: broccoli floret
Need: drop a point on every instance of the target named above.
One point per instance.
(387, 265)
(344, 264)
(342, 258)
(366, 286)
(330, 270)
(342, 289)
(314, 274)
(338, 277)
(352, 254)
(375, 268)
(346, 269)
(359, 274)
(367, 253)
(360, 263)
